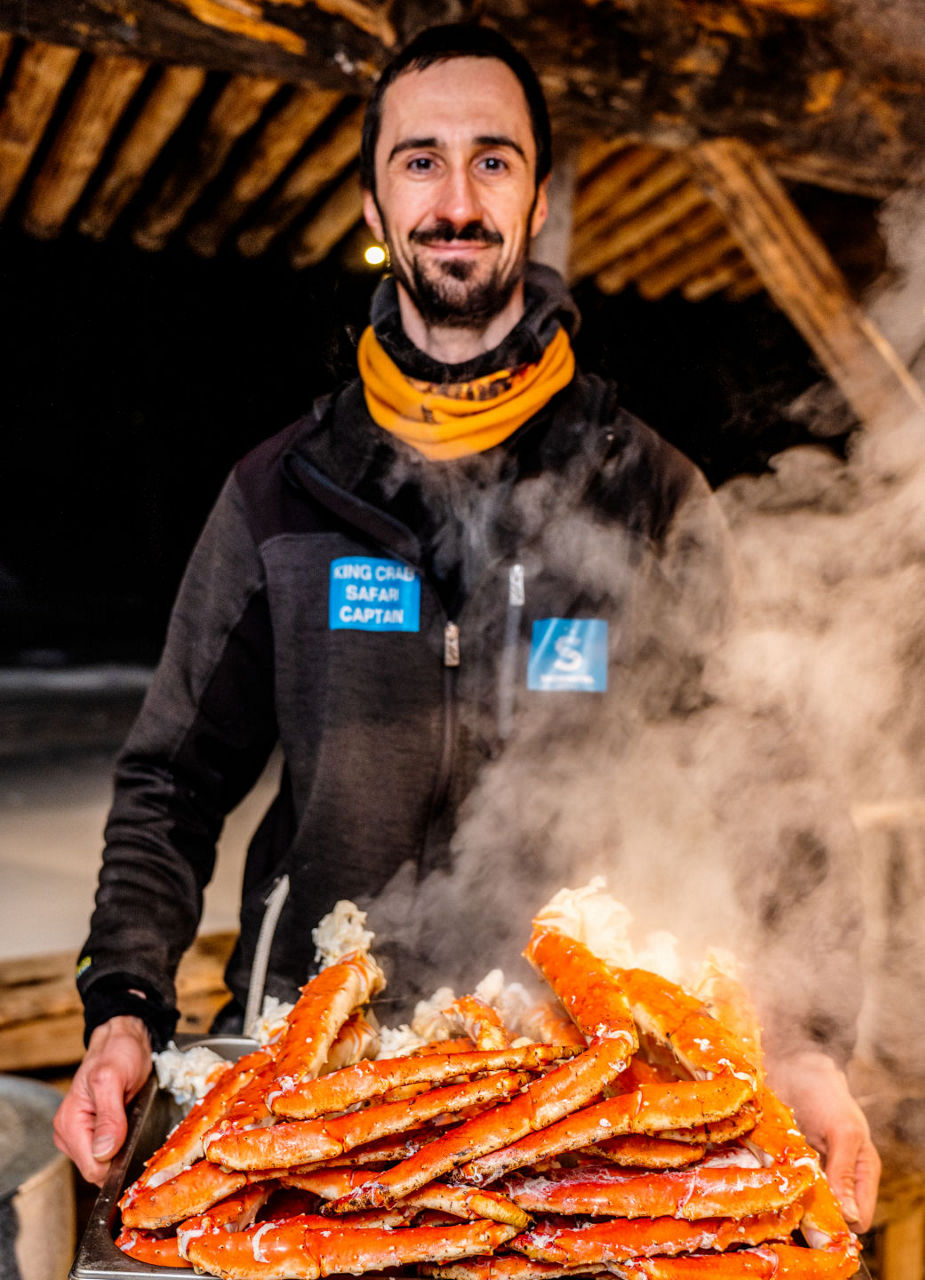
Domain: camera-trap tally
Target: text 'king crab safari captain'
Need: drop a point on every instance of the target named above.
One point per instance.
(467, 553)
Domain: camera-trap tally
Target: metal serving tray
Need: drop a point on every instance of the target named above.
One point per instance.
(153, 1114)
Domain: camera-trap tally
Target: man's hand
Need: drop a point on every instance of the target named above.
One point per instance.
(90, 1124)
(836, 1126)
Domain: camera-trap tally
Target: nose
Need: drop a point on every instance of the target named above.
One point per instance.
(458, 198)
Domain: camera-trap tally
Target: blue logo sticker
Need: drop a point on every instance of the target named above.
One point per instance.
(568, 653)
(367, 594)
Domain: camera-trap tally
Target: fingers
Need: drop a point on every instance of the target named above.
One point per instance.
(90, 1125)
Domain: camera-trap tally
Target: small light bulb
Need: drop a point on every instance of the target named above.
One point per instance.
(375, 255)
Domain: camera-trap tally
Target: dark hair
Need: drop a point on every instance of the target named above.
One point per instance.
(442, 44)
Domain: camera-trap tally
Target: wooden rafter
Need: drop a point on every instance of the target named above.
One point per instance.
(278, 144)
(37, 84)
(687, 264)
(632, 233)
(684, 235)
(307, 180)
(80, 141)
(801, 277)
(170, 99)
(237, 109)
(339, 214)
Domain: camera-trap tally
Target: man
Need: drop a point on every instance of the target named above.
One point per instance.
(463, 558)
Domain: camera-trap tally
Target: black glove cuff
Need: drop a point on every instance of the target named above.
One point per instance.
(115, 995)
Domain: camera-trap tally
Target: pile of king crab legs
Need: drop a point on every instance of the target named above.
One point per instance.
(631, 1133)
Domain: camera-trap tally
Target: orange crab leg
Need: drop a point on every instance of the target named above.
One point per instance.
(326, 1002)
(367, 1080)
(769, 1262)
(649, 1109)
(293, 1251)
(143, 1246)
(621, 1238)
(505, 1266)
(542, 1103)
(548, 1022)
(642, 1151)
(586, 986)
(706, 1191)
(185, 1145)
(191, 1192)
(462, 1202)
(479, 1021)
(299, 1142)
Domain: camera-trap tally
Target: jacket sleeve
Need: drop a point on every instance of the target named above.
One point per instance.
(204, 733)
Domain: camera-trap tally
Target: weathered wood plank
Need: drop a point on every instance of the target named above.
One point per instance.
(278, 144)
(40, 77)
(329, 159)
(598, 200)
(80, 141)
(6, 46)
(730, 270)
(341, 211)
(41, 1019)
(801, 277)
(169, 101)
(237, 109)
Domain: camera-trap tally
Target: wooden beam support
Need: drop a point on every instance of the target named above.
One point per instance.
(340, 213)
(237, 109)
(170, 99)
(80, 141)
(730, 270)
(328, 160)
(801, 277)
(6, 45)
(276, 147)
(37, 84)
(598, 200)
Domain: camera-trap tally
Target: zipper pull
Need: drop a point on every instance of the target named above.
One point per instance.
(451, 645)
(516, 595)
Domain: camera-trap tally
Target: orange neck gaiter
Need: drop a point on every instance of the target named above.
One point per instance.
(445, 421)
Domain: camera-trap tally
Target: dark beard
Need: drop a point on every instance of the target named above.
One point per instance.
(437, 301)
(440, 304)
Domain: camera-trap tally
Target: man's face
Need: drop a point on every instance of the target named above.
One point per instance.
(456, 199)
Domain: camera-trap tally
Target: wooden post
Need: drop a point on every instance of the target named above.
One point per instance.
(801, 277)
(41, 75)
(164, 111)
(80, 141)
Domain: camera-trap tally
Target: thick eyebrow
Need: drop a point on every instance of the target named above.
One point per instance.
(483, 140)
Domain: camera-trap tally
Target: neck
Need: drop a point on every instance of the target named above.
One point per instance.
(451, 345)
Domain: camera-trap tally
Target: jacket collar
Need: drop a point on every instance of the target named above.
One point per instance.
(548, 306)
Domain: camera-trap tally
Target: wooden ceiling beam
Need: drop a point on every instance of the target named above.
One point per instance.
(276, 147)
(730, 270)
(671, 72)
(686, 265)
(329, 159)
(6, 46)
(103, 95)
(801, 277)
(689, 232)
(600, 199)
(632, 233)
(339, 214)
(40, 77)
(164, 111)
(238, 108)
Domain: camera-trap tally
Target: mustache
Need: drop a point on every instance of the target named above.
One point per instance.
(443, 231)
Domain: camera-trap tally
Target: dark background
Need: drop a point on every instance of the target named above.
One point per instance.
(133, 381)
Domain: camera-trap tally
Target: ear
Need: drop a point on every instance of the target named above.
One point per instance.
(540, 208)
(371, 214)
